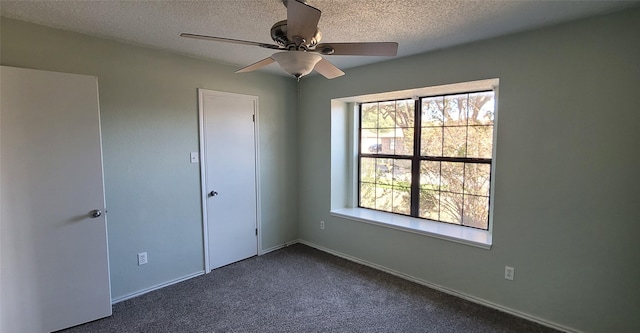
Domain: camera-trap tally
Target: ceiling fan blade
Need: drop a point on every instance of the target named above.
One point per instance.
(230, 40)
(302, 20)
(363, 49)
(327, 69)
(257, 65)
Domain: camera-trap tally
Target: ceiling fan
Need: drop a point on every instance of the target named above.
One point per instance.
(298, 39)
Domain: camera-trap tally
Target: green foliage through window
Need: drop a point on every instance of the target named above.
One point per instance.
(429, 158)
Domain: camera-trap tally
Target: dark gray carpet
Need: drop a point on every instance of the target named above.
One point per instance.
(301, 289)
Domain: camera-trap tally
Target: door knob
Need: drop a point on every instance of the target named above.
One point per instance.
(213, 193)
(95, 213)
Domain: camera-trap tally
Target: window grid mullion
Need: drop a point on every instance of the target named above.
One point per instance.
(359, 155)
(415, 159)
(444, 108)
(464, 165)
(464, 176)
(440, 191)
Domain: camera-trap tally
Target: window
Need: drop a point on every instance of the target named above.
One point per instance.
(428, 157)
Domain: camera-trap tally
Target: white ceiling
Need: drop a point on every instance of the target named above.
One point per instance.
(417, 25)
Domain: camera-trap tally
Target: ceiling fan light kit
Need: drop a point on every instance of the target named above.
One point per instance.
(297, 63)
(297, 38)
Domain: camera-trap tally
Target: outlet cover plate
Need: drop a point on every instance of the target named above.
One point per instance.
(509, 272)
(142, 258)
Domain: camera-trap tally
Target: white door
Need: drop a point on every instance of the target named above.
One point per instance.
(55, 271)
(230, 175)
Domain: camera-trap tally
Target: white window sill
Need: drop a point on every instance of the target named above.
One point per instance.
(450, 232)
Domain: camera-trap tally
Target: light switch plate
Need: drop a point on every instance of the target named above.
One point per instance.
(194, 157)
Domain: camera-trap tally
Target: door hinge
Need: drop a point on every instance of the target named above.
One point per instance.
(256, 231)
(254, 118)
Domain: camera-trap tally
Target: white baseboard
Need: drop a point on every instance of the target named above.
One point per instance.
(156, 287)
(378, 267)
(187, 277)
(444, 289)
(278, 247)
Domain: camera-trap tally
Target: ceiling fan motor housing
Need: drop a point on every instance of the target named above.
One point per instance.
(297, 38)
(279, 35)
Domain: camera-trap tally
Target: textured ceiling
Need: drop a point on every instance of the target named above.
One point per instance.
(417, 25)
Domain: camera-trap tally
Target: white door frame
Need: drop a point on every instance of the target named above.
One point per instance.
(203, 180)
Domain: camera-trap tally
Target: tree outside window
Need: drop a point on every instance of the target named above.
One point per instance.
(429, 158)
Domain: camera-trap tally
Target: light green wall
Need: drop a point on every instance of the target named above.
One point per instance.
(566, 202)
(149, 114)
(567, 212)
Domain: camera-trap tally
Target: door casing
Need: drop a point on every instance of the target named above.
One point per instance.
(203, 180)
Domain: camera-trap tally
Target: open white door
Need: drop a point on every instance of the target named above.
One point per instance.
(53, 246)
(229, 164)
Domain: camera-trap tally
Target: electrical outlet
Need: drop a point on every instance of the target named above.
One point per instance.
(142, 258)
(509, 272)
(322, 225)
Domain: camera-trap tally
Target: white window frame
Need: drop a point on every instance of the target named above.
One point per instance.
(344, 200)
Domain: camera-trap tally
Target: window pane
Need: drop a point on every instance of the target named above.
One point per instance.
(368, 141)
(369, 115)
(402, 200)
(431, 141)
(476, 211)
(385, 138)
(455, 110)
(451, 207)
(455, 142)
(390, 111)
(387, 114)
(367, 170)
(432, 111)
(430, 190)
(389, 141)
(402, 173)
(404, 141)
(429, 202)
(405, 113)
(367, 195)
(430, 175)
(477, 178)
(452, 177)
(384, 197)
(480, 141)
(481, 108)
(384, 168)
